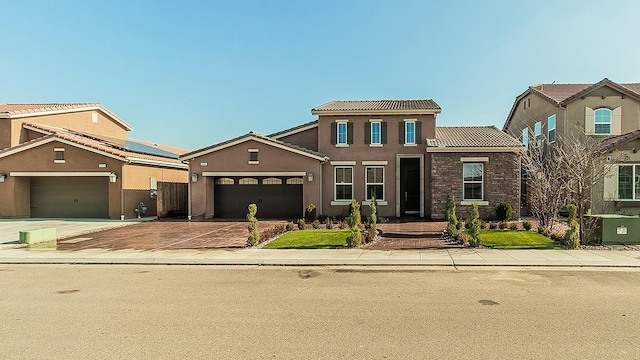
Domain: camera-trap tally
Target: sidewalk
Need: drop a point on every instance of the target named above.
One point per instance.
(357, 257)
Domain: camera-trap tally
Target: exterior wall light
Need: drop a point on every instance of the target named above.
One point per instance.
(310, 176)
(194, 177)
(113, 177)
(2, 177)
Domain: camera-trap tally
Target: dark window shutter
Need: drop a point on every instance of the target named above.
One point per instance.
(383, 132)
(367, 133)
(349, 133)
(334, 133)
(401, 132)
(418, 132)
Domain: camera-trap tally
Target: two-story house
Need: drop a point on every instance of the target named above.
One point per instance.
(74, 160)
(390, 149)
(605, 111)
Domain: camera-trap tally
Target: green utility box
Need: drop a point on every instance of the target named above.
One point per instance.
(617, 229)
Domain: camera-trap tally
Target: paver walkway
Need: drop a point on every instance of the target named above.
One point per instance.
(412, 235)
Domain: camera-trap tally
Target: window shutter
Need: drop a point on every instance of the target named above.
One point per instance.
(418, 132)
(367, 133)
(383, 132)
(401, 132)
(616, 121)
(349, 133)
(610, 183)
(334, 133)
(589, 121)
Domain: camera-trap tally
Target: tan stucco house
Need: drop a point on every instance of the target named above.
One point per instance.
(356, 149)
(75, 160)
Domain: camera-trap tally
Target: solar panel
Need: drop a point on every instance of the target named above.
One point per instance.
(147, 149)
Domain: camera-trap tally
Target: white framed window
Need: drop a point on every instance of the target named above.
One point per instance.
(59, 156)
(376, 132)
(602, 121)
(472, 179)
(341, 136)
(343, 188)
(248, 181)
(525, 137)
(551, 128)
(629, 182)
(410, 132)
(224, 181)
(295, 181)
(253, 157)
(374, 176)
(537, 131)
(272, 181)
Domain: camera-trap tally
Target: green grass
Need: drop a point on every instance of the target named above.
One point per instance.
(311, 239)
(512, 239)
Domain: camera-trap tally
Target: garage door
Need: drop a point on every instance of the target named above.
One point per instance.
(70, 197)
(276, 198)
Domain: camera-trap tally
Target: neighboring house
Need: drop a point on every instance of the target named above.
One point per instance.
(607, 111)
(75, 160)
(390, 149)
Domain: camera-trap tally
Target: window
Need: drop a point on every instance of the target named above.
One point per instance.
(342, 133)
(538, 133)
(272, 181)
(344, 183)
(410, 132)
(602, 121)
(253, 157)
(248, 181)
(59, 155)
(551, 128)
(629, 182)
(224, 181)
(472, 174)
(376, 133)
(525, 137)
(375, 182)
(294, 181)
(526, 103)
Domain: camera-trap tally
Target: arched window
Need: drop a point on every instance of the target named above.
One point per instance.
(248, 181)
(602, 119)
(224, 181)
(294, 181)
(272, 181)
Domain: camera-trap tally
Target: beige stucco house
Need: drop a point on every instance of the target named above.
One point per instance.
(390, 149)
(75, 160)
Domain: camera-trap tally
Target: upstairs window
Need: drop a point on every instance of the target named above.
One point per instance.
(551, 128)
(253, 157)
(59, 155)
(602, 119)
(410, 132)
(537, 131)
(525, 137)
(342, 133)
(376, 132)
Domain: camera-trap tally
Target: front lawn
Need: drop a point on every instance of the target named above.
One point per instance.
(513, 239)
(311, 239)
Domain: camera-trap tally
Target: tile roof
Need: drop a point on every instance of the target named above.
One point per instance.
(293, 129)
(102, 145)
(613, 141)
(248, 136)
(378, 105)
(471, 137)
(9, 110)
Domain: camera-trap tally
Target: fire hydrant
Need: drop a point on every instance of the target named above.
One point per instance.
(140, 209)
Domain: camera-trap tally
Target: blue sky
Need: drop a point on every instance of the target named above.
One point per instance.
(195, 73)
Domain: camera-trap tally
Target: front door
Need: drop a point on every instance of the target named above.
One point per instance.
(409, 186)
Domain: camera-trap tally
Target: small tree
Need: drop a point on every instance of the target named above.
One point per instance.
(474, 241)
(571, 236)
(310, 213)
(450, 215)
(373, 217)
(355, 239)
(254, 234)
(504, 211)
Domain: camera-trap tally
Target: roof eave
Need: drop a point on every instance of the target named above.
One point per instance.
(445, 149)
(123, 123)
(377, 112)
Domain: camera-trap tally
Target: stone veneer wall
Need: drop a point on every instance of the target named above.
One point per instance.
(501, 183)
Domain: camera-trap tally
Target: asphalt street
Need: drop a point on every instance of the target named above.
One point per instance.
(241, 312)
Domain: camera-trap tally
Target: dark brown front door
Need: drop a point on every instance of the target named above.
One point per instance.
(275, 197)
(410, 186)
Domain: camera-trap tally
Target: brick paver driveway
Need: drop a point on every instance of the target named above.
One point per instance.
(412, 235)
(167, 234)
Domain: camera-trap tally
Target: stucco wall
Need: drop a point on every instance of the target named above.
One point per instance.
(138, 176)
(501, 182)
(308, 139)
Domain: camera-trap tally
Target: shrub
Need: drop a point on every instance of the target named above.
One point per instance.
(355, 239)
(370, 235)
(290, 226)
(322, 218)
(474, 239)
(254, 234)
(343, 224)
(502, 225)
(493, 226)
(451, 229)
(460, 224)
(310, 213)
(504, 211)
(462, 238)
(572, 236)
(301, 224)
(526, 225)
(468, 223)
(544, 231)
(272, 232)
(513, 226)
(316, 224)
(450, 212)
(328, 223)
(372, 222)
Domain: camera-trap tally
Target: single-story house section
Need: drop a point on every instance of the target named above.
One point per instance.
(75, 161)
(387, 149)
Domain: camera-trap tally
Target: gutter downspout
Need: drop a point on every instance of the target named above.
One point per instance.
(122, 215)
(189, 192)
